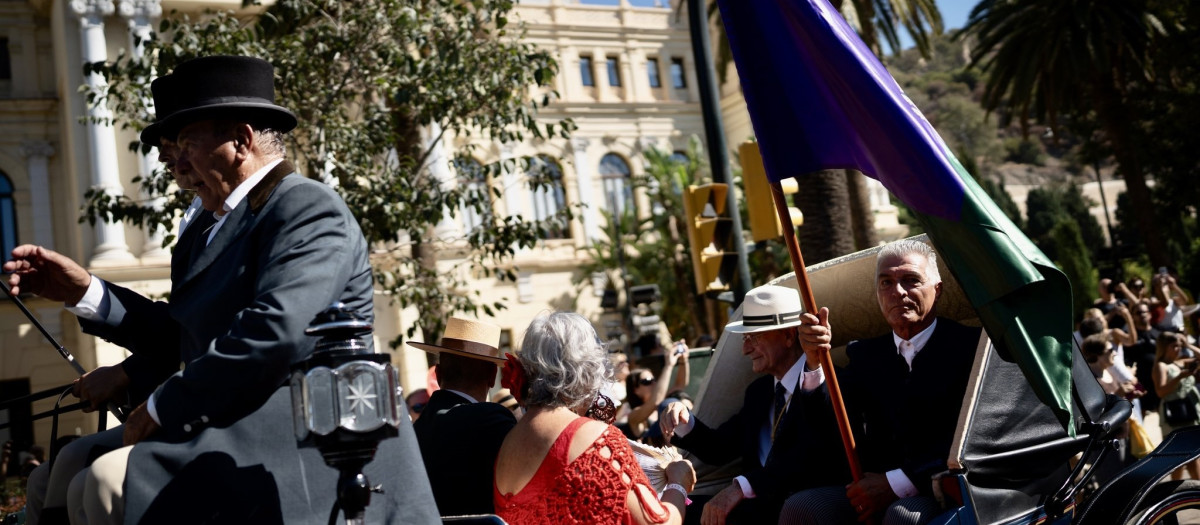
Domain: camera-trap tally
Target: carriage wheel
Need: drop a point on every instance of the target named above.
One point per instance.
(1170, 503)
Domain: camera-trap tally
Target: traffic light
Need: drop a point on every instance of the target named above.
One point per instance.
(710, 231)
(764, 221)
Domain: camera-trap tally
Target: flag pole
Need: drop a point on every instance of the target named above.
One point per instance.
(810, 305)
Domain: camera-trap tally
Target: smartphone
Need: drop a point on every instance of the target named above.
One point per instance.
(1162, 270)
(680, 348)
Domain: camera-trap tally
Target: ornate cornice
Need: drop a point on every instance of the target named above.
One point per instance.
(91, 11)
(36, 148)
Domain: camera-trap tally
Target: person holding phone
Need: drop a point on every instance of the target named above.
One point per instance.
(644, 391)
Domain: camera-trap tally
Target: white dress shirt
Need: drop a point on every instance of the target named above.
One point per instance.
(811, 379)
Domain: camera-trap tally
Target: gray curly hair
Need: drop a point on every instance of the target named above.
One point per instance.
(564, 360)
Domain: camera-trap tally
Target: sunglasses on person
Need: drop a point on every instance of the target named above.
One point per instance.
(646, 381)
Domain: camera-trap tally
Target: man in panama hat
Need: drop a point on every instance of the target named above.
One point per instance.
(770, 433)
(272, 248)
(459, 431)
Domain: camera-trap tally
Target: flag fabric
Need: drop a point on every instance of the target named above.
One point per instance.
(819, 99)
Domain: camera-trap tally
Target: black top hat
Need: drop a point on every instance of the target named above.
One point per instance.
(165, 103)
(242, 88)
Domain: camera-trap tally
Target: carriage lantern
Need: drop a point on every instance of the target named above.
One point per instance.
(346, 399)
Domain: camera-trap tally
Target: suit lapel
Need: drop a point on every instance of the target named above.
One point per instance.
(236, 224)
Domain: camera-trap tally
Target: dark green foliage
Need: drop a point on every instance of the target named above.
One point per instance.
(1025, 151)
(1048, 206)
(1075, 263)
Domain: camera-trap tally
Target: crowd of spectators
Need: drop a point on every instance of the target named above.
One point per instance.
(1136, 342)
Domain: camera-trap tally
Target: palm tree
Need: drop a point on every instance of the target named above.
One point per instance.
(1073, 58)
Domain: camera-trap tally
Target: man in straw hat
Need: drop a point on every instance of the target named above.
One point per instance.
(903, 393)
(214, 442)
(459, 431)
(770, 433)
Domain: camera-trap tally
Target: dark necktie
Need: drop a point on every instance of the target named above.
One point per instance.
(780, 405)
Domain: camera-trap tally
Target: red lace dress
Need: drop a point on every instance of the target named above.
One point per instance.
(592, 489)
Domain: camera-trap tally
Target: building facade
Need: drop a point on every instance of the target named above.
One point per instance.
(626, 78)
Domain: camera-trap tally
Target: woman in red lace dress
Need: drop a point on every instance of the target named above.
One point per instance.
(558, 466)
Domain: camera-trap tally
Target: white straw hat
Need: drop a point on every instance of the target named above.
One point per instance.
(768, 307)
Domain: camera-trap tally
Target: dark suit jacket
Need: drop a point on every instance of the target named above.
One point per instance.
(907, 419)
(236, 319)
(790, 466)
(459, 442)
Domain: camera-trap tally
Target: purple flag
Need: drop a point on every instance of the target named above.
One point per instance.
(819, 99)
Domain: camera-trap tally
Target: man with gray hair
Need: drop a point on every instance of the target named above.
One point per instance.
(903, 392)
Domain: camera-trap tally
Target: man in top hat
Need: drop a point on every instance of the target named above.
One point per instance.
(459, 431)
(124, 384)
(903, 393)
(271, 250)
(771, 433)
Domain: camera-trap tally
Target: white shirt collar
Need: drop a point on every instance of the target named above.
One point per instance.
(242, 190)
(918, 341)
(465, 396)
(792, 377)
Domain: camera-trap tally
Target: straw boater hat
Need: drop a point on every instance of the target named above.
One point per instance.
(768, 307)
(469, 339)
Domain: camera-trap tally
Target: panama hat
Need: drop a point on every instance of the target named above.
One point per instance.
(768, 307)
(236, 87)
(467, 338)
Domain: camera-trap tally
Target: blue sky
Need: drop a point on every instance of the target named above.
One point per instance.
(954, 12)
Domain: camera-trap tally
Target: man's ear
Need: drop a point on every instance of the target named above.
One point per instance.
(243, 140)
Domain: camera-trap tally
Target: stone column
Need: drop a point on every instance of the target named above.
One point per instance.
(639, 80)
(37, 154)
(141, 15)
(514, 183)
(600, 75)
(583, 178)
(628, 93)
(439, 170)
(101, 138)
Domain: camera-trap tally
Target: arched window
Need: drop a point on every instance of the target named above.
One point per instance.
(549, 196)
(8, 217)
(473, 178)
(618, 183)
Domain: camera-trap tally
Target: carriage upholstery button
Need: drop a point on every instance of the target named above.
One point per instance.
(187, 427)
(204, 419)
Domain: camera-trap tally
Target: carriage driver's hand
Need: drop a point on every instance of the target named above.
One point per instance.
(816, 337)
(46, 273)
(675, 414)
(100, 386)
(139, 425)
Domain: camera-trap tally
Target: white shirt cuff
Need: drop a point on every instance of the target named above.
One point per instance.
(812, 379)
(152, 410)
(747, 490)
(901, 485)
(89, 305)
(682, 429)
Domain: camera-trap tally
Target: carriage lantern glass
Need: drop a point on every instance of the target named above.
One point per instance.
(346, 399)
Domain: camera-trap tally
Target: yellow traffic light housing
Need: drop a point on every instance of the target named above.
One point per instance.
(764, 221)
(709, 232)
